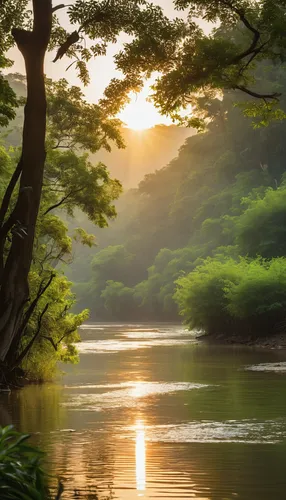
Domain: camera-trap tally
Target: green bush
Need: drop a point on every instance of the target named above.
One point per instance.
(259, 299)
(234, 297)
(201, 295)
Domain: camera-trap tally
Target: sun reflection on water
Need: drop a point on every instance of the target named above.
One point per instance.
(140, 451)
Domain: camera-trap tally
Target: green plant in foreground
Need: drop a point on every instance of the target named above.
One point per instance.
(21, 473)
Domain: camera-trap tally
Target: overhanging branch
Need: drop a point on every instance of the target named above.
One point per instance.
(61, 6)
(275, 96)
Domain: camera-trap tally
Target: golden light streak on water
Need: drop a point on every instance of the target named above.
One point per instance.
(140, 453)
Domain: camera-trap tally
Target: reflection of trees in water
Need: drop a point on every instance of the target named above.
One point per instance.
(37, 408)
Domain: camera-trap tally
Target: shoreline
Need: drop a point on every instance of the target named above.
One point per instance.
(273, 342)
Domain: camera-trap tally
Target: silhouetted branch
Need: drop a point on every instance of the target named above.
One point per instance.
(275, 96)
(61, 6)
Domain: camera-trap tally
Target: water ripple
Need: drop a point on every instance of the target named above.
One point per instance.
(114, 346)
(230, 431)
(126, 395)
(267, 367)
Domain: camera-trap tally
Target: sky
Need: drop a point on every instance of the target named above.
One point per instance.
(139, 114)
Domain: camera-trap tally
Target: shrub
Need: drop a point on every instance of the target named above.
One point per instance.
(234, 297)
(259, 299)
(201, 295)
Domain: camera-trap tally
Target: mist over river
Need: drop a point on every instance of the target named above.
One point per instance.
(150, 412)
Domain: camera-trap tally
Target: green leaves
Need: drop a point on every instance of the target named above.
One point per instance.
(224, 296)
(261, 229)
(74, 182)
(21, 475)
(226, 59)
(73, 123)
(12, 14)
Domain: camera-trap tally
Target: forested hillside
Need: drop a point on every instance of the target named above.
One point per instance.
(216, 210)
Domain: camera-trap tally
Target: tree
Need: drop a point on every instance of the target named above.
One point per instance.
(102, 21)
(71, 182)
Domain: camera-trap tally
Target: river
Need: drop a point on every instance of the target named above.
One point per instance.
(150, 412)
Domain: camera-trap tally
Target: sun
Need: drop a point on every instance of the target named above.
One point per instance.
(140, 114)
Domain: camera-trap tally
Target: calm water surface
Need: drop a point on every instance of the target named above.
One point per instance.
(151, 413)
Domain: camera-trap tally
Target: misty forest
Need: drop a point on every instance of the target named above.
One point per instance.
(142, 249)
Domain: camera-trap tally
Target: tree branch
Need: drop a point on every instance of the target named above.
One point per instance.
(50, 339)
(61, 6)
(15, 344)
(275, 96)
(41, 291)
(63, 200)
(56, 344)
(32, 341)
(256, 34)
(69, 332)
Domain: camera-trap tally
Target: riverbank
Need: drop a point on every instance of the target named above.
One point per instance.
(277, 341)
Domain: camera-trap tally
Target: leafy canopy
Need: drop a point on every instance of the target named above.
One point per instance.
(244, 34)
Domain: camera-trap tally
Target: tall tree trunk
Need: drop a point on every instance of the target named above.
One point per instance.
(14, 292)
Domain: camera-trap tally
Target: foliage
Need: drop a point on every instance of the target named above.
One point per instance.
(12, 14)
(235, 297)
(72, 181)
(118, 300)
(243, 36)
(261, 229)
(153, 40)
(68, 116)
(21, 474)
(54, 334)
